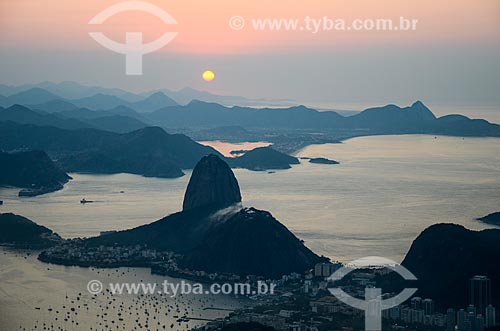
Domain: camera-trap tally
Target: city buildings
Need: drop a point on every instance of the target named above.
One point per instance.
(451, 320)
(490, 317)
(480, 293)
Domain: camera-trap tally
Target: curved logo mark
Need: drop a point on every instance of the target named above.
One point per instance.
(373, 303)
(133, 48)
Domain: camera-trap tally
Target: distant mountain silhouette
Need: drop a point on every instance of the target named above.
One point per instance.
(99, 102)
(263, 158)
(23, 115)
(21, 232)
(154, 102)
(54, 106)
(71, 90)
(196, 115)
(459, 125)
(149, 151)
(389, 119)
(106, 102)
(116, 123)
(31, 96)
(84, 113)
(445, 256)
(235, 240)
(202, 114)
(39, 98)
(72, 119)
(32, 170)
(187, 94)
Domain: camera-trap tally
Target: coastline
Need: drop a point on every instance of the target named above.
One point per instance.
(297, 151)
(33, 192)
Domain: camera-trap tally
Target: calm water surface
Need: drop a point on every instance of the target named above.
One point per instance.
(39, 296)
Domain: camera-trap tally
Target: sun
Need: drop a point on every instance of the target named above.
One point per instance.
(208, 75)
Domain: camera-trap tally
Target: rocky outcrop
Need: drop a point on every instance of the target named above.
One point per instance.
(322, 160)
(445, 256)
(209, 237)
(263, 158)
(21, 232)
(212, 185)
(34, 171)
(251, 242)
(493, 218)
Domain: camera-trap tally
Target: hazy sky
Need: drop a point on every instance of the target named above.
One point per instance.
(452, 58)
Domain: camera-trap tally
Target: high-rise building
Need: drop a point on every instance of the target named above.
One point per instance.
(417, 316)
(471, 309)
(467, 325)
(450, 319)
(480, 293)
(461, 320)
(479, 323)
(416, 303)
(324, 269)
(490, 317)
(428, 306)
(471, 318)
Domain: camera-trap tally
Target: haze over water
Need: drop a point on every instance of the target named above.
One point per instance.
(384, 192)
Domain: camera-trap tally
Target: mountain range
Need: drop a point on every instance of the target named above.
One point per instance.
(38, 98)
(389, 119)
(158, 109)
(149, 151)
(73, 90)
(104, 133)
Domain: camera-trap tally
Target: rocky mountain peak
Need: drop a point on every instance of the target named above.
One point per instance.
(212, 185)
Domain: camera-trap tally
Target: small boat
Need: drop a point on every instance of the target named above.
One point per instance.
(84, 201)
(1, 202)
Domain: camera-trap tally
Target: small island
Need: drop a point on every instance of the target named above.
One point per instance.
(262, 159)
(493, 218)
(322, 160)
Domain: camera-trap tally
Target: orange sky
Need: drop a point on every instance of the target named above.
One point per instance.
(452, 57)
(203, 25)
